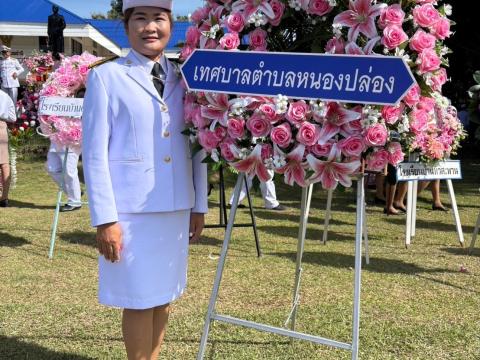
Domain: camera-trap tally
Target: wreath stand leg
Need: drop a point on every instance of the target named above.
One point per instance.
(223, 211)
(212, 315)
(57, 207)
(456, 215)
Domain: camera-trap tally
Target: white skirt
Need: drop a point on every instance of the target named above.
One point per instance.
(153, 266)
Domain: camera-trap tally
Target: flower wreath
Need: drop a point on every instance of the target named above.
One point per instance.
(319, 141)
(68, 80)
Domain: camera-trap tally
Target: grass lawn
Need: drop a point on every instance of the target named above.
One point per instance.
(416, 304)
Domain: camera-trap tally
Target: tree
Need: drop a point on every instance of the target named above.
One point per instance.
(183, 18)
(116, 11)
(98, 16)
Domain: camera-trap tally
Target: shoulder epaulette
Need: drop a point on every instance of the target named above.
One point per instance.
(103, 61)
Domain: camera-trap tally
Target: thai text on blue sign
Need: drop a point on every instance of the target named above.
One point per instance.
(365, 79)
(61, 106)
(442, 170)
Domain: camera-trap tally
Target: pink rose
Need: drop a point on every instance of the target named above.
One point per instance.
(391, 114)
(321, 150)
(391, 15)
(186, 52)
(226, 151)
(352, 146)
(198, 120)
(335, 46)
(438, 79)
(220, 132)
(393, 36)
(428, 61)
(281, 135)
(376, 135)
(278, 9)
(208, 140)
(193, 36)
(83, 70)
(421, 41)
(418, 120)
(441, 29)
(377, 160)
(230, 41)
(258, 39)
(395, 153)
(319, 7)
(236, 128)
(435, 149)
(297, 112)
(413, 96)
(235, 22)
(308, 134)
(270, 112)
(49, 90)
(426, 103)
(258, 125)
(425, 15)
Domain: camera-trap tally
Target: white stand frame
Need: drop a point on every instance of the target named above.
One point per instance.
(412, 190)
(57, 207)
(306, 198)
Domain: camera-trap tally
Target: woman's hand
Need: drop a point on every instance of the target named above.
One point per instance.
(197, 222)
(109, 241)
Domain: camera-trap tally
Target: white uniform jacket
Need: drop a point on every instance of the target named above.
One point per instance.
(7, 108)
(7, 68)
(135, 158)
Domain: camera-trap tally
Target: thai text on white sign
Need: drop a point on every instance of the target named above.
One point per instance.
(60, 106)
(442, 170)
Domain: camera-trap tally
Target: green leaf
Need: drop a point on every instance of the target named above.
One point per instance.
(476, 76)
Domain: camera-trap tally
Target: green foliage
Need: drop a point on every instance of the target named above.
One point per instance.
(116, 11)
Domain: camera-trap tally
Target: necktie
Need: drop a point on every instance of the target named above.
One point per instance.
(157, 73)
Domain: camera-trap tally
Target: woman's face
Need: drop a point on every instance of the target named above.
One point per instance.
(149, 31)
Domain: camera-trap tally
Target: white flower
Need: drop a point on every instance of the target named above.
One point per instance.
(332, 2)
(269, 163)
(21, 128)
(32, 123)
(448, 9)
(337, 30)
(281, 104)
(214, 155)
(279, 161)
(258, 19)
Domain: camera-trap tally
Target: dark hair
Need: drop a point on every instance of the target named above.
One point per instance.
(129, 12)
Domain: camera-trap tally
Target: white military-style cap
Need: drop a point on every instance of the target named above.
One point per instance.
(5, 48)
(165, 4)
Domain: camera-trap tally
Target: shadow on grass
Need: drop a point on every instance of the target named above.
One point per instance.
(291, 232)
(431, 224)
(463, 251)
(14, 348)
(79, 237)
(28, 205)
(295, 218)
(7, 240)
(377, 265)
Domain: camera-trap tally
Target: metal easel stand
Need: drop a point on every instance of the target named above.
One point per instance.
(212, 315)
(57, 207)
(412, 193)
(223, 211)
(328, 217)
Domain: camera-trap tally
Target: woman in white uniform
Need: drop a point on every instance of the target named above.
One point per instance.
(147, 196)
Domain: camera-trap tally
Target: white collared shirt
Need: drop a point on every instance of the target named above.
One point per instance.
(147, 64)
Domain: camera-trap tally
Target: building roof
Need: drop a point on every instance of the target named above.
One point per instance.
(114, 30)
(34, 11)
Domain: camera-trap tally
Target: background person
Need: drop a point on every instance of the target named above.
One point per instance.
(10, 70)
(147, 196)
(7, 114)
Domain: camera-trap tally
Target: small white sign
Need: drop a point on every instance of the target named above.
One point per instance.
(60, 106)
(442, 170)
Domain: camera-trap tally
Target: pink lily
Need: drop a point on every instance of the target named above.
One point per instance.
(294, 170)
(360, 18)
(332, 172)
(217, 108)
(353, 49)
(253, 165)
(335, 118)
(250, 7)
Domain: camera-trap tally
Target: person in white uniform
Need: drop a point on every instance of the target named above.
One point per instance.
(147, 195)
(70, 181)
(10, 70)
(7, 114)
(268, 193)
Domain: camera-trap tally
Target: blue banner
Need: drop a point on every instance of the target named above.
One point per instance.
(364, 79)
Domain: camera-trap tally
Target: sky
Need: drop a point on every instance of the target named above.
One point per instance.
(84, 8)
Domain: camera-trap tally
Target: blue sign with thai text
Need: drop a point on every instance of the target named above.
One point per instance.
(364, 79)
